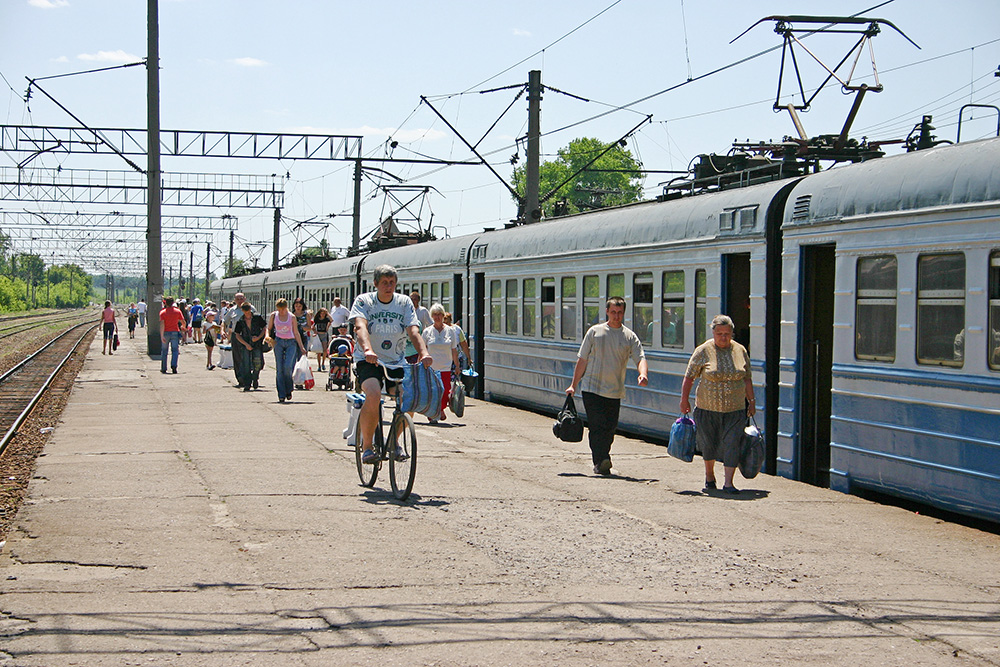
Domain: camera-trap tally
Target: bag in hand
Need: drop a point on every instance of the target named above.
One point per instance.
(569, 426)
(682, 443)
(422, 391)
(751, 450)
(457, 400)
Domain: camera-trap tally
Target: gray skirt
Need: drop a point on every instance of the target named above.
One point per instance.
(717, 435)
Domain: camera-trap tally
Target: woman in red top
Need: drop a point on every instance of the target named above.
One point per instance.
(110, 327)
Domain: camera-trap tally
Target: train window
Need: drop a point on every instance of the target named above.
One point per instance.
(672, 314)
(591, 301)
(941, 309)
(435, 293)
(568, 330)
(548, 307)
(993, 343)
(512, 307)
(496, 305)
(875, 310)
(642, 306)
(616, 285)
(700, 307)
(528, 314)
(446, 296)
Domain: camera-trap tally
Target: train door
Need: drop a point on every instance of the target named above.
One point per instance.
(815, 370)
(458, 309)
(479, 332)
(736, 294)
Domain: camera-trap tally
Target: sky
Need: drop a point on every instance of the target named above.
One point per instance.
(361, 68)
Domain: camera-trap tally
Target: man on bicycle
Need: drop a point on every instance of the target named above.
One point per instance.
(383, 320)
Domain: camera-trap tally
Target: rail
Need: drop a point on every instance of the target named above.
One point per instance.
(16, 423)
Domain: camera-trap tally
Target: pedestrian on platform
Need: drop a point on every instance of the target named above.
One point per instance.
(133, 318)
(600, 374)
(287, 344)
(442, 345)
(249, 334)
(171, 330)
(109, 326)
(321, 327)
(197, 313)
(304, 320)
(141, 307)
(464, 356)
(211, 330)
(234, 313)
(724, 399)
(340, 314)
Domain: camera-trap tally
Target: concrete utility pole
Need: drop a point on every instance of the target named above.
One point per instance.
(208, 258)
(532, 212)
(191, 291)
(232, 241)
(154, 261)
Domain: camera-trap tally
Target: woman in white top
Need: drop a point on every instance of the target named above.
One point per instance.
(442, 345)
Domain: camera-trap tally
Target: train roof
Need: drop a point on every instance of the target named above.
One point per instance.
(648, 223)
(445, 252)
(953, 175)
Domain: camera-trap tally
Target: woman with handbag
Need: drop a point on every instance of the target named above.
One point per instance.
(109, 327)
(724, 399)
(442, 344)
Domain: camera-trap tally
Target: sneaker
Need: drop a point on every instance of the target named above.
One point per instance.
(281, 399)
(255, 385)
(731, 490)
(401, 454)
(603, 468)
(369, 457)
(174, 370)
(432, 420)
(246, 389)
(212, 367)
(710, 484)
(163, 370)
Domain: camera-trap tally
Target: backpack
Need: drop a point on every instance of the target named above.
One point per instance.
(422, 390)
(568, 426)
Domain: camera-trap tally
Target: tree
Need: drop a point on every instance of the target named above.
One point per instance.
(614, 178)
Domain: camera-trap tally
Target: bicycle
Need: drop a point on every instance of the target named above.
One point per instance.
(402, 437)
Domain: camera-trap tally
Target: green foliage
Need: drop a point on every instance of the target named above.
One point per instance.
(614, 179)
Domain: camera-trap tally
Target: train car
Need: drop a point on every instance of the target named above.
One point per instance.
(890, 345)
(538, 288)
(868, 296)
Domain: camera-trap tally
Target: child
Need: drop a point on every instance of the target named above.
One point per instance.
(212, 330)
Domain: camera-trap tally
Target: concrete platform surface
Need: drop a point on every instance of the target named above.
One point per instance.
(175, 520)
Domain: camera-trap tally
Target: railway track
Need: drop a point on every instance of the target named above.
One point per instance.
(23, 386)
(12, 326)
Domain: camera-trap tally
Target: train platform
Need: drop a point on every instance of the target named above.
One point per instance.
(176, 520)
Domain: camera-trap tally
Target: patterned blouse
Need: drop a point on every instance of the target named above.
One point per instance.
(723, 372)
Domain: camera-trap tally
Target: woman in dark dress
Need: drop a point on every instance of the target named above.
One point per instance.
(249, 332)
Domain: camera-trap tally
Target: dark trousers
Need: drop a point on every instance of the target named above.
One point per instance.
(241, 358)
(602, 421)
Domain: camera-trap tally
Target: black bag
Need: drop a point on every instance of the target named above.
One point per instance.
(115, 343)
(569, 426)
(751, 450)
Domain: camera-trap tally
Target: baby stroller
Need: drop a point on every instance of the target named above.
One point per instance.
(340, 364)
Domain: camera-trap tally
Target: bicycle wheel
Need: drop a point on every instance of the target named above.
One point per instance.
(366, 473)
(402, 471)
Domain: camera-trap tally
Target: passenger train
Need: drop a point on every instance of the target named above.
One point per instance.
(868, 296)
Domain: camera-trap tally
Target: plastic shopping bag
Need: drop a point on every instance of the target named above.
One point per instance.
(302, 374)
(422, 391)
(457, 400)
(682, 443)
(751, 450)
(315, 345)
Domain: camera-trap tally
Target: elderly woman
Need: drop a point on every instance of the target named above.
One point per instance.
(287, 344)
(442, 344)
(724, 392)
(249, 332)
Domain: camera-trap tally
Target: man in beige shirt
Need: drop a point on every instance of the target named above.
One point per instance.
(600, 373)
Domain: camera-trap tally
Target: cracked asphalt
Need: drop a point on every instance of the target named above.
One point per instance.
(174, 520)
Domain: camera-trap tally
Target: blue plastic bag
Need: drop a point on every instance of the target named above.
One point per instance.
(422, 391)
(682, 443)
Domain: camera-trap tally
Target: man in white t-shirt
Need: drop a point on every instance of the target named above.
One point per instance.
(340, 314)
(422, 313)
(383, 321)
(141, 307)
(605, 352)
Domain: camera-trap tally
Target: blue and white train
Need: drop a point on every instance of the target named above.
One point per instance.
(868, 296)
